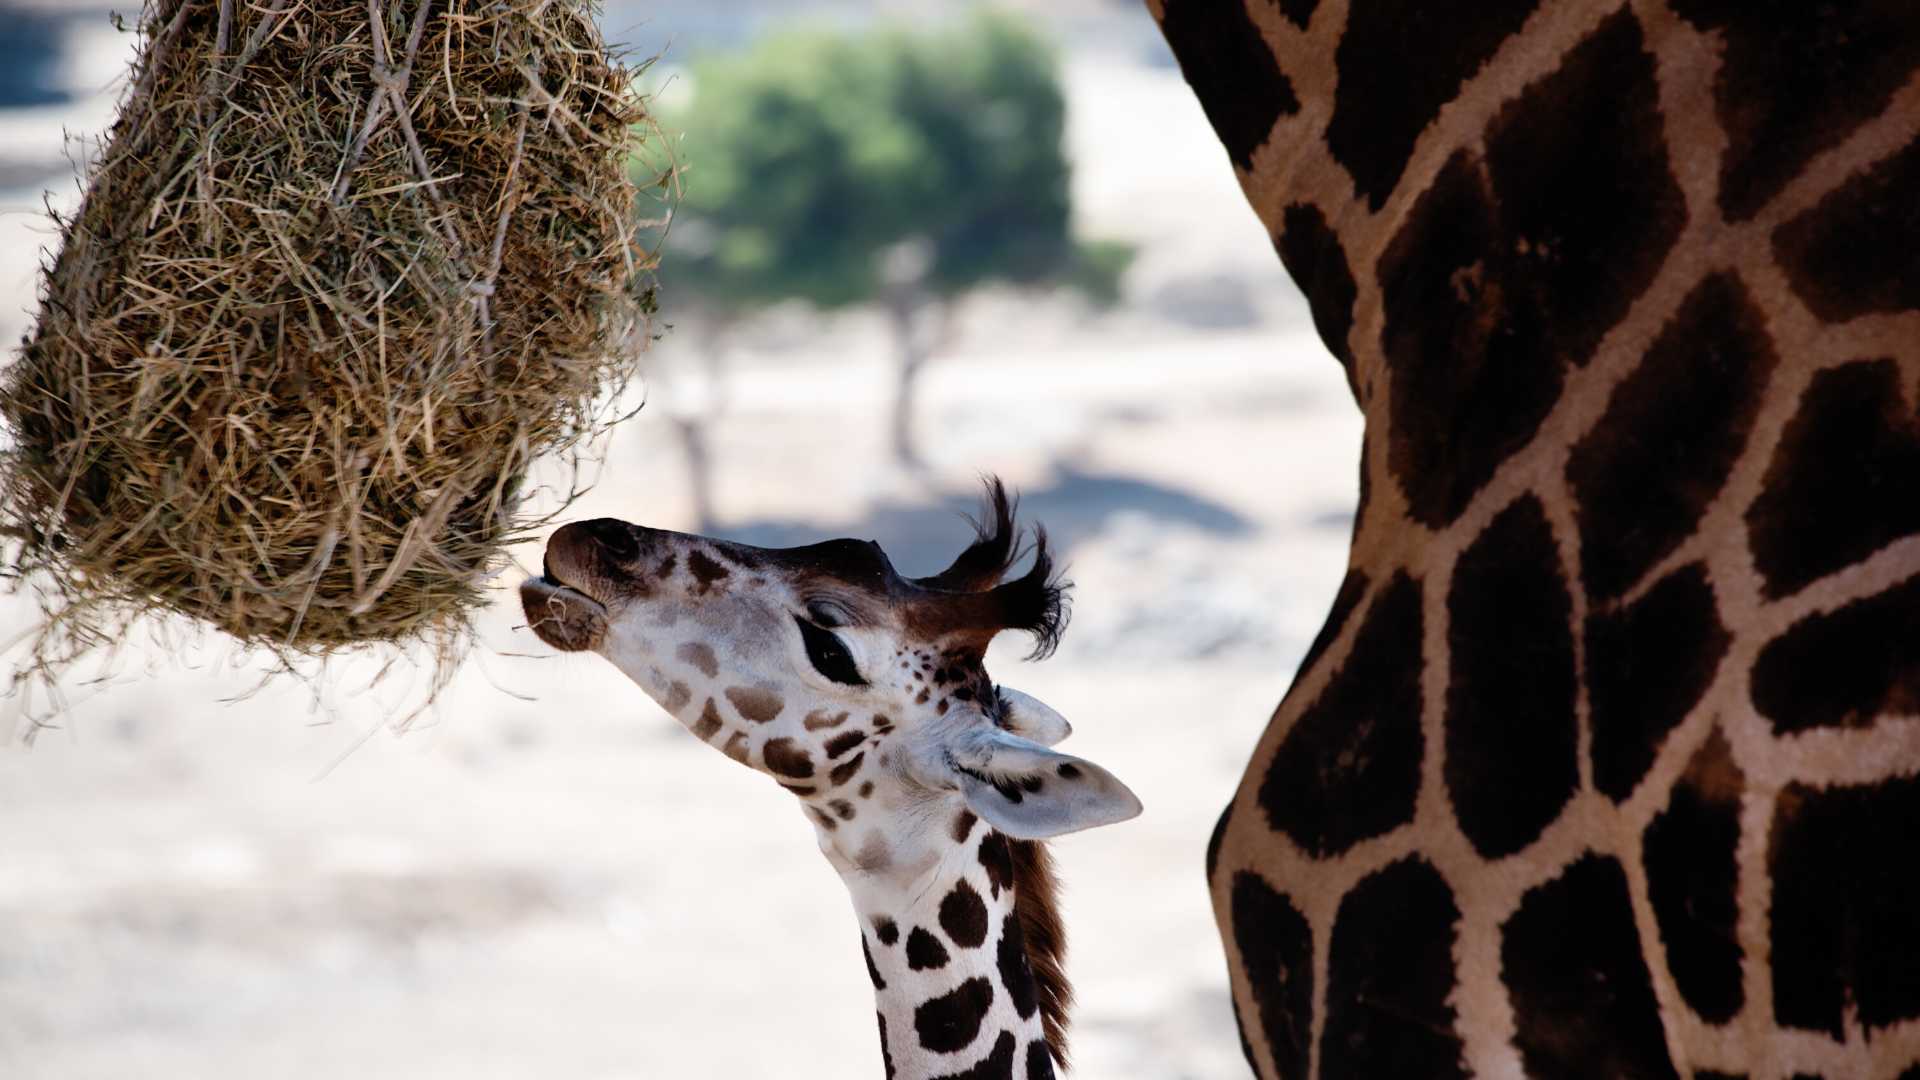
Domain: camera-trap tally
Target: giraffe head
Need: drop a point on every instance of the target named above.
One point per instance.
(861, 691)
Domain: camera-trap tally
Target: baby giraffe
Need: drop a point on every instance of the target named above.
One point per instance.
(864, 694)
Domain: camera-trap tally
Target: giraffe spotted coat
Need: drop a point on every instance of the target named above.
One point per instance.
(1607, 761)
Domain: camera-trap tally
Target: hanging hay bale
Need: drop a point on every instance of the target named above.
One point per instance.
(343, 270)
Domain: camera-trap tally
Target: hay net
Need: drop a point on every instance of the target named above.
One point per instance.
(343, 270)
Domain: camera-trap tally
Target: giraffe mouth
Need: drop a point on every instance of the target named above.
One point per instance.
(562, 616)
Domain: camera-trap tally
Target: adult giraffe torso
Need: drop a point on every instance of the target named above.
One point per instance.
(1607, 762)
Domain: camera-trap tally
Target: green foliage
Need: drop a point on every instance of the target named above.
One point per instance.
(1097, 267)
(813, 160)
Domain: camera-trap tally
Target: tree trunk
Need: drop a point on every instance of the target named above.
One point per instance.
(693, 442)
(692, 426)
(910, 356)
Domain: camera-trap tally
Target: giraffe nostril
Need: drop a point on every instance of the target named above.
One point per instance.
(616, 536)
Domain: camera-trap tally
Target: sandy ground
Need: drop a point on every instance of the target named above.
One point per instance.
(564, 883)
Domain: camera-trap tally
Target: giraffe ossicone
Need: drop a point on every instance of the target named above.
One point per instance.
(865, 694)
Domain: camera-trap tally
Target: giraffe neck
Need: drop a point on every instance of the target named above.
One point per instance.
(1600, 762)
(946, 947)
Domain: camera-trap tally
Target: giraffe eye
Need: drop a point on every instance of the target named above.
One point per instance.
(829, 654)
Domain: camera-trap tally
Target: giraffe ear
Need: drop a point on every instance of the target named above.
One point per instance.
(1030, 792)
(1031, 718)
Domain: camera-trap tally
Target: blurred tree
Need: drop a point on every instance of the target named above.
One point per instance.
(886, 167)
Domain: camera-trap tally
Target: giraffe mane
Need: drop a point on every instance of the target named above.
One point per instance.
(1036, 899)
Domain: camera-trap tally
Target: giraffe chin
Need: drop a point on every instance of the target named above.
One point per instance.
(567, 619)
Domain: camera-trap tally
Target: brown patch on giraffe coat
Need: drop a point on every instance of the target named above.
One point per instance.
(1232, 71)
(821, 719)
(1039, 1061)
(1846, 668)
(1010, 960)
(1797, 79)
(874, 856)
(1647, 666)
(1644, 475)
(1509, 271)
(1512, 755)
(886, 1055)
(844, 742)
(842, 809)
(1470, 374)
(1844, 481)
(709, 723)
(996, 857)
(963, 915)
(754, 703)
(736, 747)
(886, 929)
(924, 951)
(845, 771)
(1350, 767)
(825, 819)
(963, 823)
(1586, 192)
(1400, 64)
(1846, 886)
(787, 758)
(1690, 853)
(997, 1065)
(1573, 964)
(1857, 251)
(700, 655)
(1276, 953)
(1312, 253)
(1390, 975)
(677, 697)
(705, 569)
(950, 1022)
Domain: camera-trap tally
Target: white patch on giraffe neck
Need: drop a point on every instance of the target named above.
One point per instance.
(952, 988)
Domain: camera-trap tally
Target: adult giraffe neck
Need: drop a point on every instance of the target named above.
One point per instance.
(1599, 763)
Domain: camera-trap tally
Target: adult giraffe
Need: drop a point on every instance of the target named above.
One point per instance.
(1607, 762)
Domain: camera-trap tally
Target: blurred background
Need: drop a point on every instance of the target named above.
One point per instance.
(918, 242)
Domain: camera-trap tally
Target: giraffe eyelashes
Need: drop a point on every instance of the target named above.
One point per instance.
(826, 615)
(828, 653)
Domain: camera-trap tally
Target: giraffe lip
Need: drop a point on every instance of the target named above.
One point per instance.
(561, 615)
(551, 577)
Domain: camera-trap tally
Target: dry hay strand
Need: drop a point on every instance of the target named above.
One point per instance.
(344, 269)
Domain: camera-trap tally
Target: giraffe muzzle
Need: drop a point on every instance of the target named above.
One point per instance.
(561, 616)
(564, 605)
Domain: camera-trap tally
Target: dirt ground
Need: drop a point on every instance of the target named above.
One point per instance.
(548, 877)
